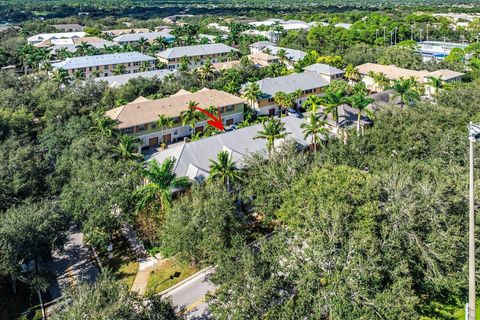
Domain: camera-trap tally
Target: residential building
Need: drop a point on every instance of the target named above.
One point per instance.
(324, 70)
(6, 28)
(119, 32)
(193, 158)
(167, 29)
(261, 59)
(139, 118)
(218, 27)
(71, 27)
(120, 80)
(308, 83)
(105, 64)
(292, 55)
(392, 73)
(72, 44)
(273, 36)
(197, 55)
(53, 36)
(149, 36)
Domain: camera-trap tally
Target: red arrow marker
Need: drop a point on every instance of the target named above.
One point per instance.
(215, 122)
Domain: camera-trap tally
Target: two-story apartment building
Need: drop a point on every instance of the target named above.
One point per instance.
(105, 64)
(139, 118)
(326, 71)
(309, 83)
(149, 36)
(392, 73)
(196, 55)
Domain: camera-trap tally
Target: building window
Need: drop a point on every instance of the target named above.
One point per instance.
(127, 130)
(230, 108)
(141, 128)
(270, 99)
(176, 132)
(105, 74)
(90, 69)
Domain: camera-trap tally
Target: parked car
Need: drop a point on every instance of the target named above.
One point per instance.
(294, 113)
(233, 127)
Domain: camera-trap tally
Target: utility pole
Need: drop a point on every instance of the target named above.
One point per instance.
(428, 24)
(384, 34)
(413, 28)
(473, 136)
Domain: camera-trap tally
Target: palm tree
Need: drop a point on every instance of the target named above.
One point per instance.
(162, 181)
(252, 93)
(79, 75)
(273, 129)
(207, 71)
(127, 148)
(191, 116)
(142, 43)
(407, 90)
(119, 69)
(351, 73)
(103, 125)
(232, 55)
(82, 48)
(161, 42)
(267, 51)
(331, 100)
(62, 53)
(380, 79)
(282, 54)
(361, 102)
(224, 169)
(59, 75)
(164, 121)
(435, 83)
(284, 100)
(314, 127)
(312, 103)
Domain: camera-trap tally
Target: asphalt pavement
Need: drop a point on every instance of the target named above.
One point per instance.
(189, 296)
(72, 265)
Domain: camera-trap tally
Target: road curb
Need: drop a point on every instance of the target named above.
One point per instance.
(181, 283)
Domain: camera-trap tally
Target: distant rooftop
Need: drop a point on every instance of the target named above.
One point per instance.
(68, 27)
(150, 36)
(100, 60)
(295, 55)
(324, 69)
(120, 80)
(197, 50)
(57, 35)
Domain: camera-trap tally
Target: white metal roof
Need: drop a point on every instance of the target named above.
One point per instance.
(103, 59)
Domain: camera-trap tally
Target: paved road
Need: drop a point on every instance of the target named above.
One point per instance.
(74, 264)
(189, 296)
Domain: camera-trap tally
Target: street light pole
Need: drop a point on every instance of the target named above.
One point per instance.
(473, 136)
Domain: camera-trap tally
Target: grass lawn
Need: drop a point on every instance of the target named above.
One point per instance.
(168, 274)
(460, 313)
(11, 306)
(123, 264)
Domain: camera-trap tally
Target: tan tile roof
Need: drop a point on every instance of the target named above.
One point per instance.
(445, 74)
(118, 32)
(219, 66)
(391, 72)
(262, 56)
(141, 112)
(88, 40)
